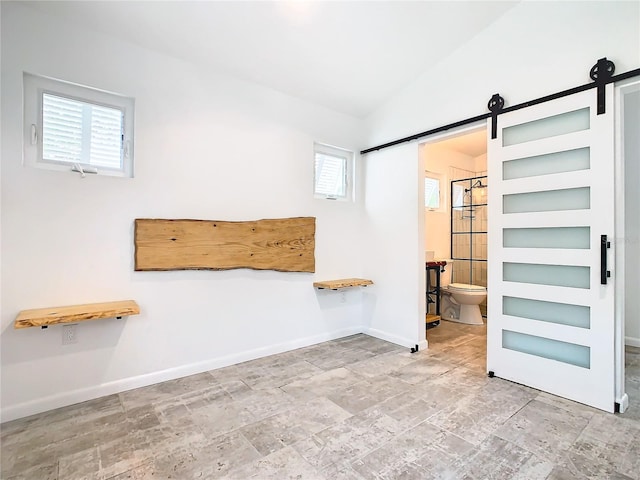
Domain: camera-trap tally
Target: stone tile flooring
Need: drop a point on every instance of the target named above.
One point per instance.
(350, 409)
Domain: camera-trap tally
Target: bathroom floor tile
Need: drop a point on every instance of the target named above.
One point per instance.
(545, 430)
(422, 369)
(348, 440)
(475, 417)
(285, 464)
(425, 451)
(356, 408)
(498, 459)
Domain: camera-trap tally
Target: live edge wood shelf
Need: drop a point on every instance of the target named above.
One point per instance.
(41, 317)
(343, 283)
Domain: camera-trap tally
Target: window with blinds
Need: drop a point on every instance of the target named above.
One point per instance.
(72, 127)
(332, 172)
(81, 132)
(433, 191)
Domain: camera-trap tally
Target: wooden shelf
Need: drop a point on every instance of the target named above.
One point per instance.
(40, 317)
(432, 318)
(343, 283)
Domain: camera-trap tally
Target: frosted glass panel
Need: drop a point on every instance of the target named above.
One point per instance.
(557, 162)
(552, 200)
(562, 313)
(558, 237)
(541, 274)
(547, 127)
(570, 353)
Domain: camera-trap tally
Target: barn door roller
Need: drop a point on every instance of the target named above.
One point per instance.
(601, 74)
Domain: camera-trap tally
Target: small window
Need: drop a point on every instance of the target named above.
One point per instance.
(333, 172)
(457, 196)
(71, 127)
(433, 191)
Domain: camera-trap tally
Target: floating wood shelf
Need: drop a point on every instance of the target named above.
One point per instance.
(343, 283)
(432, 318)
(40, 317)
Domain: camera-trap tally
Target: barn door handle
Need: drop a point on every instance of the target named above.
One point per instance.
(604, 273)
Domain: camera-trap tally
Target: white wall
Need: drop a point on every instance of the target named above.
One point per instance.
(207, 147)
(535, 49)
(632, 214)
(395, 246)
(440, 159)
(480, 164)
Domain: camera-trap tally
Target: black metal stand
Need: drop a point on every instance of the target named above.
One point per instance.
(434, 291)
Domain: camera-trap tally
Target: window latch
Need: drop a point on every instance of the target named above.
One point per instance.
(34, 135)
(82, 171)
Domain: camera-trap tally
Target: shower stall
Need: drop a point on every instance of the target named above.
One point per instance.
(469, 232)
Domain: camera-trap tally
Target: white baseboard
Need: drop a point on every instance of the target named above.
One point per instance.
(632, 341)
(405, 342)
(64, 399)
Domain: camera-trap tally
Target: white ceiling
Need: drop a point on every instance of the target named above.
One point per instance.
(472, 144)
(347, 56)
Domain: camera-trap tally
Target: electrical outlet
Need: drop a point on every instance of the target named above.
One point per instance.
(69, 334)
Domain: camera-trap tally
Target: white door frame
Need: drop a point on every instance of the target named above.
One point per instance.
(435, 138)
(621, 89)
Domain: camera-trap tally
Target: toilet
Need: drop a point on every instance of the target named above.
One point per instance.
(460, 302)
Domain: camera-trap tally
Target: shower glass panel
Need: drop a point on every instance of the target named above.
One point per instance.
(553, 312)
(478, 250)
(557, 162)
(469, 232)
(460, 248)
(541, 274)
(565, 352)
(561, 124)
(547, 237)
(547, 201)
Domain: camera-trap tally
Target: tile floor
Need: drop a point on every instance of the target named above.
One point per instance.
(350, 409)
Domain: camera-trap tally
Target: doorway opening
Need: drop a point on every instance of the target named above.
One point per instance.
(455, 243)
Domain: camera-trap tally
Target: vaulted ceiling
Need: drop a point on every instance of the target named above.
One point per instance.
(347, 56)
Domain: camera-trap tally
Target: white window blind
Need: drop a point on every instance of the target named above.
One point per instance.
(431, 192)
(330, 175)
(81, 132)
(458, 196)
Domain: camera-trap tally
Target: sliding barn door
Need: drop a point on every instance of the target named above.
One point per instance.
(550, 322)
